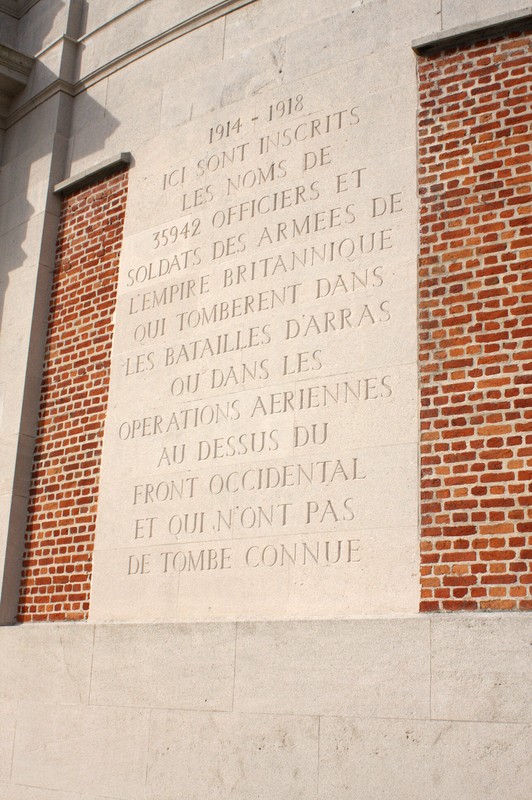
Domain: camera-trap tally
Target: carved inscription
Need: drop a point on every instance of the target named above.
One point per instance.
(254, 356)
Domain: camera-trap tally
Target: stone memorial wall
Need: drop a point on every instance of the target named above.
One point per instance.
(264, 399)
(260, 453)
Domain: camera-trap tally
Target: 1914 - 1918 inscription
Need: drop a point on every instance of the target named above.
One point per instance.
(259, 454)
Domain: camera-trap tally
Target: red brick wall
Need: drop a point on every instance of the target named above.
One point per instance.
(475, 342)
(64, 488)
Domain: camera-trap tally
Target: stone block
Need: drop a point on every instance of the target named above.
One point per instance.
(22, 245)
(90, 130)
(361, 30)
(180, 59)
(102, 750)
(23, 206)
(232, 756)
(481, 667)
(7, 737)
(262, 22)
(26, 296)
(99, 12)
(213, 87)
(367, 668)
(42, 24)
(46, 663)
(164, 666)
(413, 760)
(36, 129)
(132, 29)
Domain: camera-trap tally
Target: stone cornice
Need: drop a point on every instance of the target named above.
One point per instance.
(16, 8)
(16, 62)
(210, 14)
(15, 70)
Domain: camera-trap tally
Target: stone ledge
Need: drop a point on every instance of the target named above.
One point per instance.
(17, 8)
(88, 175)
(463, 33)
(464, 667)
(15, 68)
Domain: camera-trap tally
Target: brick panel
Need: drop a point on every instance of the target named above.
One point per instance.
(475, 325)
(64, 488)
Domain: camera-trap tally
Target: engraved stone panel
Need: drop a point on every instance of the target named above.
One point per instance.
(260, 453)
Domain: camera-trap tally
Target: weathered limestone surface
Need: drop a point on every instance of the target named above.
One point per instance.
(224, 65)
(367, 699)
(234, 485)
(399, 707)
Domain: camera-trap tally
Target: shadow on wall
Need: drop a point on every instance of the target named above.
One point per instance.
(32, 32)
(25, 149)
(34, 159)
(22, 151)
